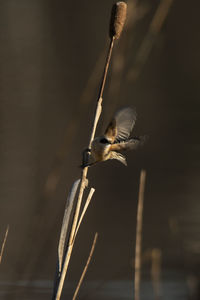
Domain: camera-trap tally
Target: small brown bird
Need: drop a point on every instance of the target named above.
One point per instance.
(116, 138)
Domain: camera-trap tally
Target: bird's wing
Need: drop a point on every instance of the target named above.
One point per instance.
(121, 125)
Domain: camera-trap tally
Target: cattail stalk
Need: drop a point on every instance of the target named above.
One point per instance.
(117, 23)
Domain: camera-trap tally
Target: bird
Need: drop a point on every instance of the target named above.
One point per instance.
(116, 138)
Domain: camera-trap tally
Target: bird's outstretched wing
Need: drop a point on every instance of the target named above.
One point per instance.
(120, 127)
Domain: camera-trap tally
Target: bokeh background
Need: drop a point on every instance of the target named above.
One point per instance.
(51, 60)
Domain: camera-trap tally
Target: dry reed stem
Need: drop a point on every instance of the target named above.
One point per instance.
(71, 244)
(139, 235)
(63, 233)
(4, 243)
(86, 266)
(72, 233)
(148, 41)
(84, 176)
(96, 119)
(84, 180)
(92, 190)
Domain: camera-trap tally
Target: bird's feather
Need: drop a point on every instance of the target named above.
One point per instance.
(111, 131)
(120, 127)
(126, 145)
(118, 156)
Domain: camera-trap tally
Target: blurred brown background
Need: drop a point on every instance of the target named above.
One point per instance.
(51, 60)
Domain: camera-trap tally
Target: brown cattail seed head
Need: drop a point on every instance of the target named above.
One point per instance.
(118, 17)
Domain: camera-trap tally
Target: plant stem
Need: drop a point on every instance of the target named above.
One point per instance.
(4, 243)
(86, 266)
(139, 235)
(84, 182)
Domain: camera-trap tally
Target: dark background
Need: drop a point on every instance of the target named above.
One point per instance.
(51, 60)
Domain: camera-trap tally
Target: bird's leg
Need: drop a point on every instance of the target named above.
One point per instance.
(85, 157)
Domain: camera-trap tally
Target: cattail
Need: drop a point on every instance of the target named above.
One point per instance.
(116, 25)
(118, 17)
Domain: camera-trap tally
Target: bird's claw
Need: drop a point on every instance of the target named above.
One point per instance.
(85, 158)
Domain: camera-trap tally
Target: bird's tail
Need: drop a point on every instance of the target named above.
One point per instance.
(118, 156)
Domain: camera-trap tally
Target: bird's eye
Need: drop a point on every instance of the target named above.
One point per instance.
(104, 141)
